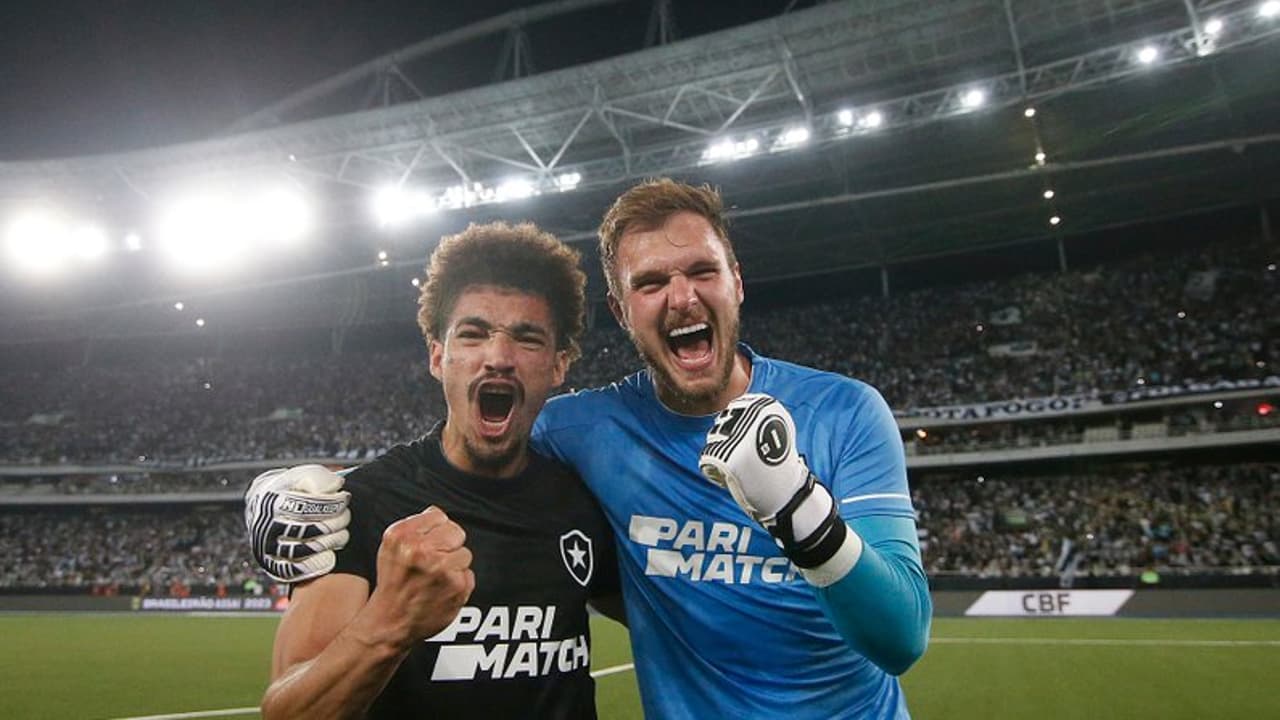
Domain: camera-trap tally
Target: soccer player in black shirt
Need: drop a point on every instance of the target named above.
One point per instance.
(463, 590)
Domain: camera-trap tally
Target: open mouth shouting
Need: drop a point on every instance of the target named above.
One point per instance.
(691, 346)
(496, 401)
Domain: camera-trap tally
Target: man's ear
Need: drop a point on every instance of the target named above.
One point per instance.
(435, 350)
(615, 307)
(737, 282)
(561, 368)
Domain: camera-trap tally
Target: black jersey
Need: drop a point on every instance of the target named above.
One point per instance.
(520, 648)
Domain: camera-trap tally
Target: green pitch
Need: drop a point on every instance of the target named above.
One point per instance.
(118, 666)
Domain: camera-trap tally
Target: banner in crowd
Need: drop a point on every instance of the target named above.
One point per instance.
(1018, 348)
(1053, 406)
(202, 603)
(1011, 315)
(1005, 409)
(1048, 603)
(1159, 392)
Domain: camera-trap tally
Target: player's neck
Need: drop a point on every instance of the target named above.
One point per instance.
(498, 466)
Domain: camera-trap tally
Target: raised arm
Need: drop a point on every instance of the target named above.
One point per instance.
(338, 645)
(867, 573)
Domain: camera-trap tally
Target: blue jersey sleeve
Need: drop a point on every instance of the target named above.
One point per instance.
(882, 606)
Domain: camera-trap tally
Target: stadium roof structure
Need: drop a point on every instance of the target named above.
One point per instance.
(851, 134)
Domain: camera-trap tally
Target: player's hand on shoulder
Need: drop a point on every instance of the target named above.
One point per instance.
(424, 575)
(296, 518)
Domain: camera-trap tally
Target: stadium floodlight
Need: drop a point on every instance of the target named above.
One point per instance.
(1029, 112)
(973, 99)
(415, 282)
(845, 117)
(1271, 267)
(1182, 314)
(203, 232)
(199, 322)
(89, 242)
(382, 254)
(392, 205)
(1269, 9)
(1040, 157)
(1048, 194)
(1148, 54)
(38, 242)
(133, 242)
(791, 137)
(1217, 404)
(871, 120)
(568, 181)
(1213, 27)
(729, 149)
(179, 306)
(514, 189)
(922, 433)
(278, 215)
(1055, 220)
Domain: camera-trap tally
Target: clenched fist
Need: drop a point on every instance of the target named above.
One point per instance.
(424, 575)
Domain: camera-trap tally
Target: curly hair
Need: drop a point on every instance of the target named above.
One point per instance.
(520, 257)
(647, 206)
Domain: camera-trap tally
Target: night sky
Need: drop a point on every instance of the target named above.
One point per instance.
(91, 76)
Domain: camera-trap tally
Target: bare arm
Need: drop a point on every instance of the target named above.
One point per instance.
(338, 645)
(328, 660)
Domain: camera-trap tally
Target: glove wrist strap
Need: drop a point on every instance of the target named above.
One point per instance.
(821, 544)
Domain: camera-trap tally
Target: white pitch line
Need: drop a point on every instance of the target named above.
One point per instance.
(1103, 641)
(198, 714)
(602, 672)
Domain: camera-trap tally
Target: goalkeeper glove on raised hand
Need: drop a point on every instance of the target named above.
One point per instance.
(296, 519)
(750, 451)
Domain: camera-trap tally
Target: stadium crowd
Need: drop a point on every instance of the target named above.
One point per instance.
(1205, 315)
(1117, 521)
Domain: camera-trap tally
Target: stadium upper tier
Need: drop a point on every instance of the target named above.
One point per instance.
(851, 134)
(1199, 315)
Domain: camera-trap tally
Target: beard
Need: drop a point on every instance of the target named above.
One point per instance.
(489, 460)
(683, 400)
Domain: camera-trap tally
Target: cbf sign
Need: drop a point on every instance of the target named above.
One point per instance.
(1049, 603)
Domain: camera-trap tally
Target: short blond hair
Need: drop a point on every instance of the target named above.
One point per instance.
(647, 206)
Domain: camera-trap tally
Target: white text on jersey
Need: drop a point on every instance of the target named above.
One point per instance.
(692, 551)
(539, 654)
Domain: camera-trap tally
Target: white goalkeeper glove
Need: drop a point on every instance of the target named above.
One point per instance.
(296, 519)
(751, 451)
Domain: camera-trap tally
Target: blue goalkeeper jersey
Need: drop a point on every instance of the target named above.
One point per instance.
(722, 625)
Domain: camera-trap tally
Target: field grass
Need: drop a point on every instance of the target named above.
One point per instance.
(117, 666)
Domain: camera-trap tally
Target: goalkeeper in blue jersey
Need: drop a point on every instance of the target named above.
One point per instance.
(766, 538)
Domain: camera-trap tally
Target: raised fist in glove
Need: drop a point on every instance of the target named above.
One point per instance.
(751, 451)
(296, 518)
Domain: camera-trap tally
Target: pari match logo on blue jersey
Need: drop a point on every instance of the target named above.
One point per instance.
(702, 551)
